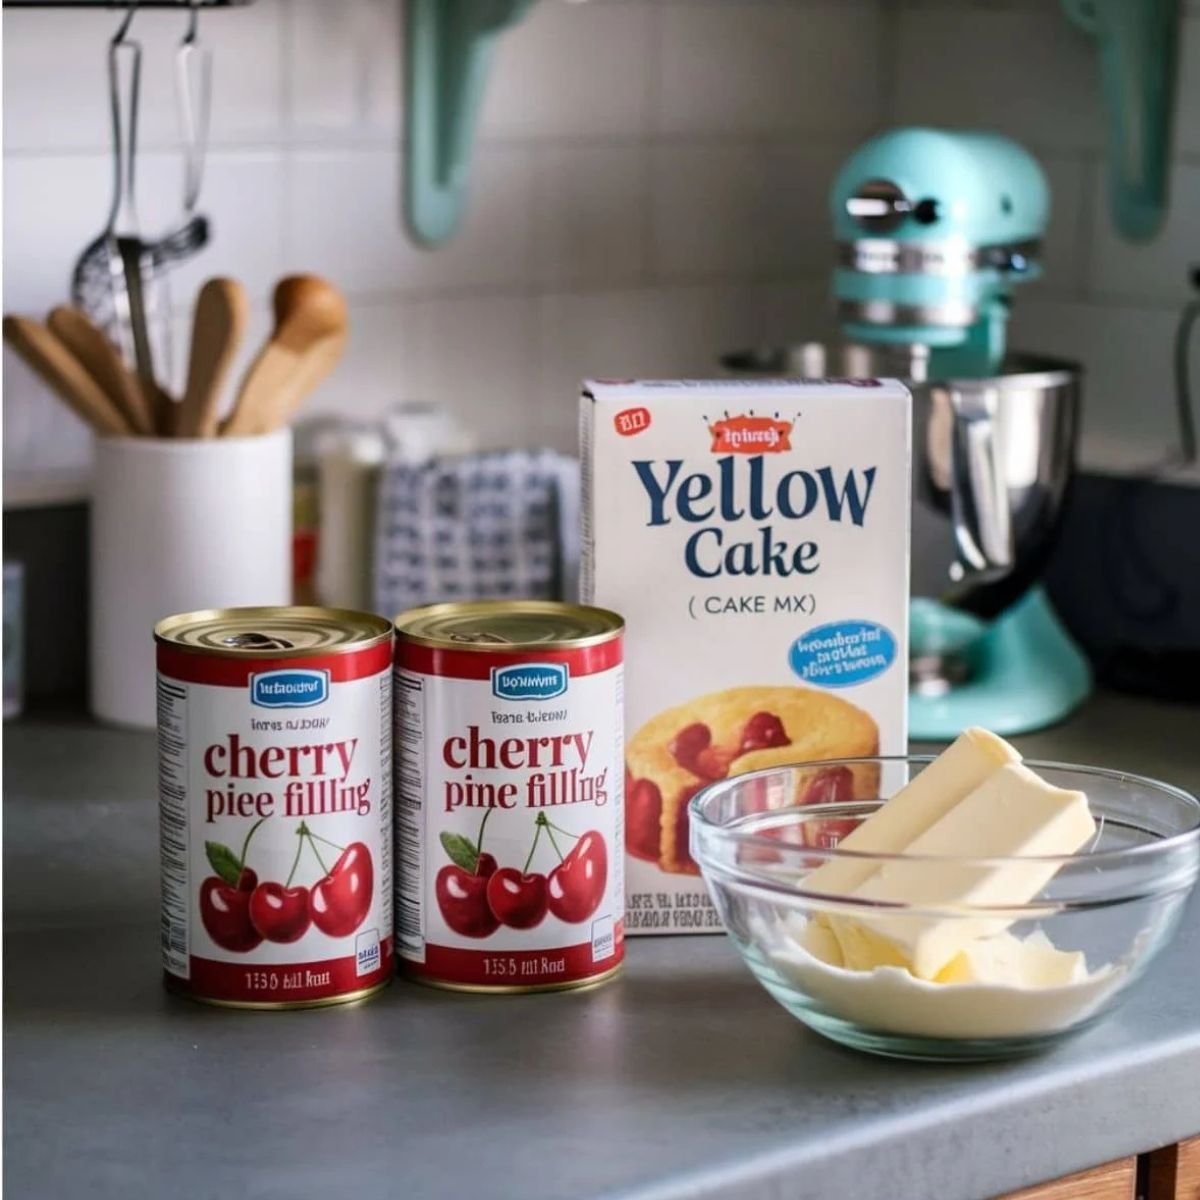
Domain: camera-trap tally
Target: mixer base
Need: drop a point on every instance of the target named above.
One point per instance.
(1018, 673)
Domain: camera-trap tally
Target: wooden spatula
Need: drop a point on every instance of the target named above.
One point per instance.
(308, 310)
(64, 374)
(311, 368)
(218, 325)
(103, 362)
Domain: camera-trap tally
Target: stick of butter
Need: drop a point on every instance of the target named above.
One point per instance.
(1012, 814)
(957, 771)
(1030, 963)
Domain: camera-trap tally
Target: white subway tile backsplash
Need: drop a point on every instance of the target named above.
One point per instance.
(41, 435)
(57, 205)
(572, 70)
(1029, 74)
(244, 198)
(589, 214)
(53, 207)
(795, 312)
(1073, 210)
(325, 53)
(55, 93)
(1156, 271)
(1187, 107)
(345, 68)
(649, 190)
(648, 332)
(56, 86)
(778, 68)
(796, 226)
(475, 356)
(1128, 388)
(344, 220)
(375, 372)
(706, 203)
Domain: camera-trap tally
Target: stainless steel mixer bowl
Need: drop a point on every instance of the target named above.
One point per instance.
(992, 459)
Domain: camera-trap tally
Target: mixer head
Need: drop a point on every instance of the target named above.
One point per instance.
(934, 227)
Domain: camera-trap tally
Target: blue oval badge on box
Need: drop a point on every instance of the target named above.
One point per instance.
(843, 653)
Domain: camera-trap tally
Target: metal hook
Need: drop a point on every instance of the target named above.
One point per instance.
(189, 38)
(119, 38)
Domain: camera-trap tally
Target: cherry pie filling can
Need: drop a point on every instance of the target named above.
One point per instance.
(275, 805)
(510, 795)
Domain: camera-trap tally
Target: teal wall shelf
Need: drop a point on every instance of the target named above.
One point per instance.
(1138, 47)
(450, 48)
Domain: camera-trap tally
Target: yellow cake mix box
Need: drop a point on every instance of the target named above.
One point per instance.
(755, 536)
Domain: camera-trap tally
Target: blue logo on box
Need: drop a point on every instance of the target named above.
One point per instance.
(529, 681)
(843, 653)
(289, 689)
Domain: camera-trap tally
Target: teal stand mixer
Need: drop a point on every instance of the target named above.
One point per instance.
(935, 229)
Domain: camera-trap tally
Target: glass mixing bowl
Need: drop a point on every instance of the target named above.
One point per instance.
(1037, 972)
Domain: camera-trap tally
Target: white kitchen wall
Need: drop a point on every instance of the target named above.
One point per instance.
(648, 175)
(649, 190)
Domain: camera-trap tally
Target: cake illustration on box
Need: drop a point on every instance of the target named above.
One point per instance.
(679, 751)
(754, 535)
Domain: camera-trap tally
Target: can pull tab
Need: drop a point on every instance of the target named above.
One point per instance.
(491, 639)
(257, 641)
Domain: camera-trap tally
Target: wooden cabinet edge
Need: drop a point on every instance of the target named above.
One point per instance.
(1112, 1181)
(1174, 1172)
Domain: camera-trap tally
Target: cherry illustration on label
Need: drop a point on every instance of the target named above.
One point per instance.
(577, 884)
(518, 898)
(239, 912)
(461, 888)
(476, 897)
(225, 897)
(341, 900)
(279, 911)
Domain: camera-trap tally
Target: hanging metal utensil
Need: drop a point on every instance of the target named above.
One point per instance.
(193, 90)
(193, 85)
(116, 281)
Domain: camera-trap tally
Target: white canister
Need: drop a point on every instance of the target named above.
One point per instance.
(180, 525)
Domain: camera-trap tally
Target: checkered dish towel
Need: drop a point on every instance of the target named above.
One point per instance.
(481, 526)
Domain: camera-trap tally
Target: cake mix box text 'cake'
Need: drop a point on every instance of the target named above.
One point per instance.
(755, 535)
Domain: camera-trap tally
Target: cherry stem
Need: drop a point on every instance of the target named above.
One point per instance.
(539, 823)
(565, 832)
(246, 843)
(327, 842)
(479, 839)
(544, 822)
(304, 831)
(296, 860)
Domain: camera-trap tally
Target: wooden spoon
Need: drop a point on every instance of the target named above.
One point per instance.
(311, 368)
(218, 325)
(103, 362)
(64, 374)
(307, 310)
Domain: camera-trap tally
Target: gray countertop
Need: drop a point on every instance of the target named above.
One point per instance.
(681, 1079)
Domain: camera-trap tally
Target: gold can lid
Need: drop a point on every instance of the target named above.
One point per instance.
(499, 625)
(280, 632)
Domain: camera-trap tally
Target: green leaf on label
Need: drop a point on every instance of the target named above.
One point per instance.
(461, 850)
(224, 862)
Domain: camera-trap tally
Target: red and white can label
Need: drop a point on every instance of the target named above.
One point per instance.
(510, 801)
(276, 817)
